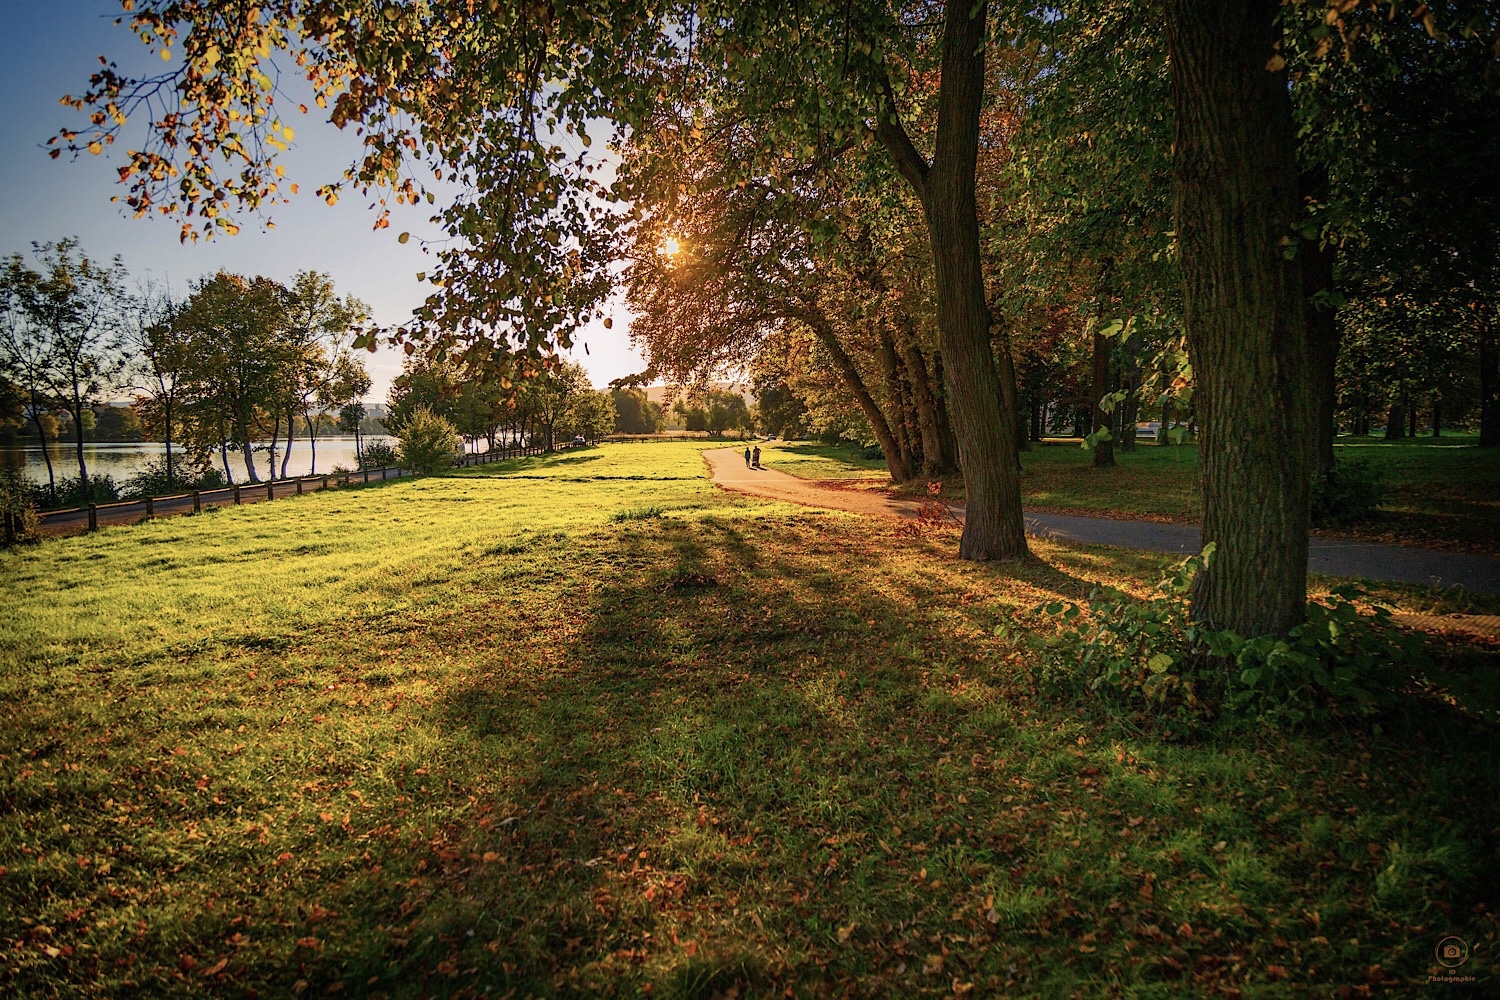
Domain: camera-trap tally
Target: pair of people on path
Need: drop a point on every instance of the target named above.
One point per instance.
(752, 461)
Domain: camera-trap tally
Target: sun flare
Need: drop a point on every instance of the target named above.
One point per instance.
(671, 247)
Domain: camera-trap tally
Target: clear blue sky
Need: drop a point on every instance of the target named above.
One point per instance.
(50, 48)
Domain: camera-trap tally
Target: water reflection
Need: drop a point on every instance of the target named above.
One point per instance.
(123, 459)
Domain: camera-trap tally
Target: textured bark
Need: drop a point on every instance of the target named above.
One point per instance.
(1489, 385)
(903, 425)
(929, 422)
(1235, 200)
(981, 401)
(1099, 387)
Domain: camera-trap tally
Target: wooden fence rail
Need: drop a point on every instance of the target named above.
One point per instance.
(75, 520)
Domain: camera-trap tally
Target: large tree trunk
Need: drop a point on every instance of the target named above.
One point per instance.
(1104, 449)
(1489, 384)
(823, 330)
(1395, 423)
(1235, 201)
(983, 405)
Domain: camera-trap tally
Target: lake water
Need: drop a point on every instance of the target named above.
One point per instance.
(121, 460)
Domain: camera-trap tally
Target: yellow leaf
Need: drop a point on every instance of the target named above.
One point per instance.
(1276, 63)
(95, 148)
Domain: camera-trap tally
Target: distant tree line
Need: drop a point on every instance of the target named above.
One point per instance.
(239, 362)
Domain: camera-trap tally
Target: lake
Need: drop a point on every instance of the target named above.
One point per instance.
(123, 459)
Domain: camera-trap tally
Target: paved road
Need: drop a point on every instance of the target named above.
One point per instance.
(1369, 560)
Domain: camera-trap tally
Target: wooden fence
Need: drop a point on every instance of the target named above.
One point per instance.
(75, 520)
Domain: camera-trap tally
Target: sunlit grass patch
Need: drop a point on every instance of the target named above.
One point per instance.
(474, 733)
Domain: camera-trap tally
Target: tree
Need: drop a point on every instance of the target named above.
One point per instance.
(634, 413)
(160, 369)
(24, 361)
(72, 310)
(344, 390)
(727, 412)
(234, 333)
(1236, 203)
(590, 414)
(318, 324)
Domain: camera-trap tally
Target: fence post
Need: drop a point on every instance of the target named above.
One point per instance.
(325, 481)
(367, 475)
(150, 508)
(382, 472)
(299, 486)
(197, 502)
(93, 517)
(270, 489)
(236, 494)
(10, 528)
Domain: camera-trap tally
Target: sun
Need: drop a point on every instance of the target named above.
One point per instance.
(671, 247)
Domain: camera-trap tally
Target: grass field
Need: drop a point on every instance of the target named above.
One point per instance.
(1442, 493)
(585, 725)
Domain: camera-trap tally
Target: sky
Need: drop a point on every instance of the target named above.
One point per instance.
(49, 49)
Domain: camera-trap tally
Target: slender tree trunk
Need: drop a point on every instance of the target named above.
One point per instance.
(1411, 421)
(1437, 418)
(291, 430)
(1104, 449)
(1489, 385)
(244, 432)
(166, 409)
(929, 424)
(224, 458)
(823, 330)
(1323, 352)
(84, 485)
(982, 402)
(312, 445)
(1235, 202)
(41, 435)
(902, 422)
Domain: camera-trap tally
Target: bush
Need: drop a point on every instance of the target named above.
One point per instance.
(1350, 492)
(429, 443)
(872, 453)
(1151, 656)
(70, 492)
(152, 480)
(379, 455)
(18, 517)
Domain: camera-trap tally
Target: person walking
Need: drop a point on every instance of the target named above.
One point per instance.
(756, 463)
(747, 458)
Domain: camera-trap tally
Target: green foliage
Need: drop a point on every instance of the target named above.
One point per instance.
(187, 474)
(429, 443)
(17, 506)
(634, 413)
(1150, 655)
(379, 455)
(71, 492)
(1349, 493)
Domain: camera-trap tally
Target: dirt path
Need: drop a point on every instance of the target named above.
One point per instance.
(1369, 560)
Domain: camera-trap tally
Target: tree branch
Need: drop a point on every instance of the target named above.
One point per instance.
(892, 135)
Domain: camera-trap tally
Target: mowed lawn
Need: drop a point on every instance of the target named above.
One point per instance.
(585, 725)
(1442, 492)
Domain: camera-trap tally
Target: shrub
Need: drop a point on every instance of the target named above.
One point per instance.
(71, 492)
(429, 443)
(1150, 655)
(152, 479)
(379, 455)
(1350, 492)
(17, 508)
(872, 453)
